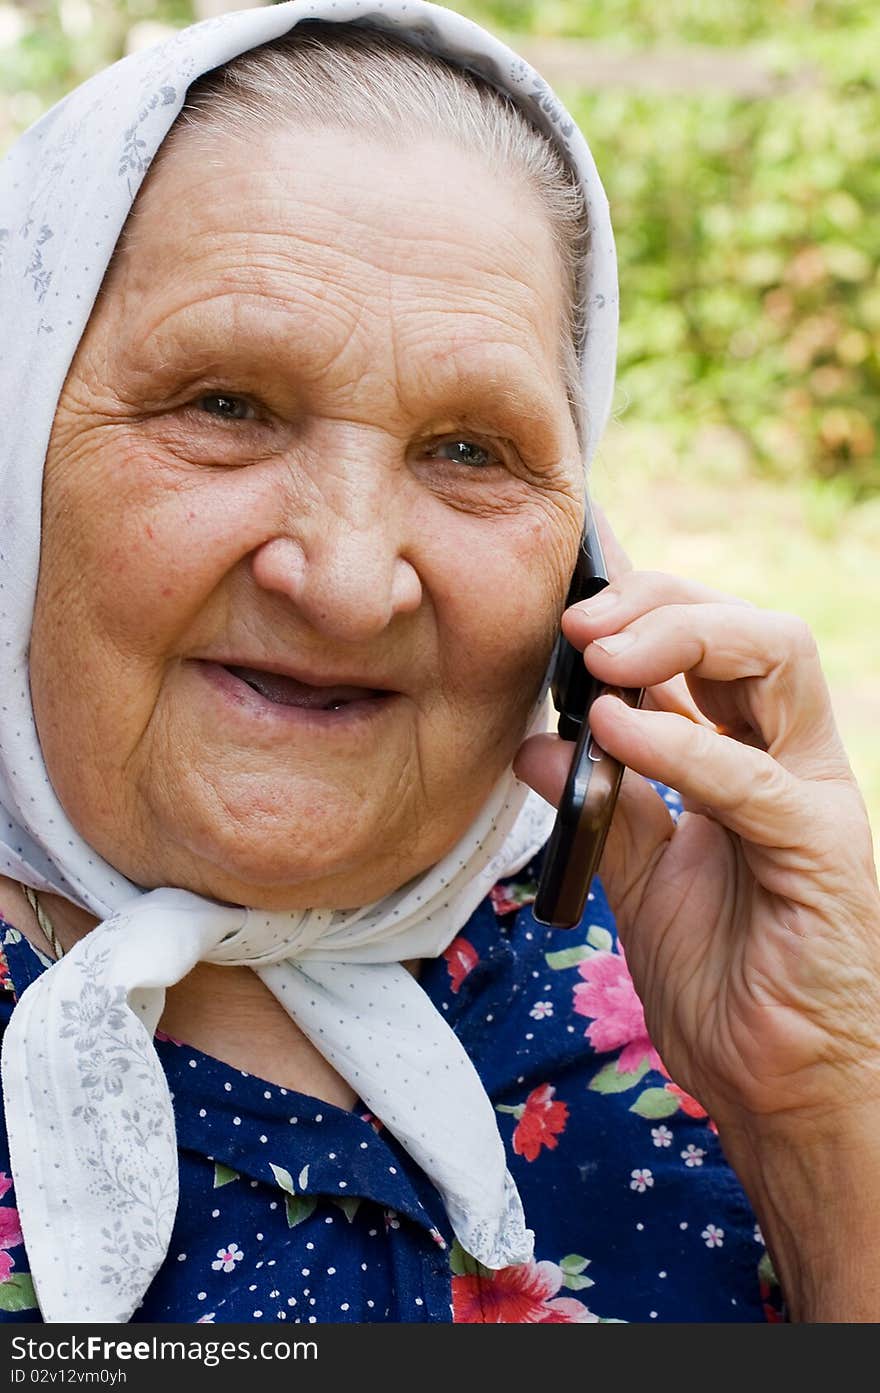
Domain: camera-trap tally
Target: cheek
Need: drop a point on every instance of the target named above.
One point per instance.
(129, 558)
(500, 603)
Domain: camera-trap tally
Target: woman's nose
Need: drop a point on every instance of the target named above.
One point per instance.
(342, 567)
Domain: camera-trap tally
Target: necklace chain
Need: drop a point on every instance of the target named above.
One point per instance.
(44, 921)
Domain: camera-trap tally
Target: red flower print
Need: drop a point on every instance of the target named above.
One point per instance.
(541, 1122)
(507, 898)
(5, 1183)
(609, 997)
(772, 1314)
(461, 957)
(689, 1106)
(520, 1295)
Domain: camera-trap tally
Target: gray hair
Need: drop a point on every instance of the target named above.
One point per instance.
(357, 79)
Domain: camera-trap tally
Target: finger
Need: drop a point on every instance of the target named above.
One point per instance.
(675, 695)
(641, 825)
(746, 790)
(543, 762)
(634, 593)
(750, 670)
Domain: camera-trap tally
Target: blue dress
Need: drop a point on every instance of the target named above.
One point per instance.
(292, 1209)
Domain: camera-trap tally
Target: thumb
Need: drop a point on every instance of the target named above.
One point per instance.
(640, 827)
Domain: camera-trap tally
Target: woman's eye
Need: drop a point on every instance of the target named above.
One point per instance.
(466, 452)
(228, 407)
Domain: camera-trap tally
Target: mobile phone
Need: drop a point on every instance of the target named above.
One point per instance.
(583, 817)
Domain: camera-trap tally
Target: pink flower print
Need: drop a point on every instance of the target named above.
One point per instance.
(227, 1258)
(693, 1155)
(520, 1295)
(541, 1009)
(609, 997)
(206, 1320)
(713, 1236)
(461, 958)
(642, 1180)
(661, 1136)
(170, 1040)
(10, 1229)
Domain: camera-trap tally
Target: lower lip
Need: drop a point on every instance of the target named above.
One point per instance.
(253, 704)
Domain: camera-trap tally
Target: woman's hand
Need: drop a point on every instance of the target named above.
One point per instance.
(752, 926)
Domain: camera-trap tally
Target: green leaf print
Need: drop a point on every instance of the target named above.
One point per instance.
(655, 1102)
(572, 1272)
(515, 1109)
(298, 1208)
(463, 1265)
(283, 1178)
(349, 1204)
(17, 1293)
(610, 1080)
(568, 957)
(599, 938)
(574, 1263)
(223, 1175)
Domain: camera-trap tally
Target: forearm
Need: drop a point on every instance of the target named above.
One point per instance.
(816, 1193)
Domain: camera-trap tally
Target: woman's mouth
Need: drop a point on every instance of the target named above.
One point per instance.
(265, 696)
(289, 691)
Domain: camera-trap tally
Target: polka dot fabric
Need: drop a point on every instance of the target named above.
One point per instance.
(294, 1210)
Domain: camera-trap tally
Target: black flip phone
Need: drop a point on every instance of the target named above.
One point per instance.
(584, 814)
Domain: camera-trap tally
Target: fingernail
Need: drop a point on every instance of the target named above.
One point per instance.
(597, 605)
(615, 643)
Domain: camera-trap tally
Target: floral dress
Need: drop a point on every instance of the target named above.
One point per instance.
(292, 1209)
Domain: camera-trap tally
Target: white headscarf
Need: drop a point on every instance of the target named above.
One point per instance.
(81, 1167)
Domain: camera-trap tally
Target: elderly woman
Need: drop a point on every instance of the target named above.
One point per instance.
(293, 478)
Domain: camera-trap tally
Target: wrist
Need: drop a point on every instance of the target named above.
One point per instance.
(815, 1189)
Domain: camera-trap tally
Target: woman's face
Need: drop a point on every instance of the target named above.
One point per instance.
(315, 433)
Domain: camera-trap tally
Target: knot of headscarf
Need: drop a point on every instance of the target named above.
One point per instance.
(82, 1080)
(89, 1115)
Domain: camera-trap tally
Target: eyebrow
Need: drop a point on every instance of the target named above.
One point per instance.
(461, 379)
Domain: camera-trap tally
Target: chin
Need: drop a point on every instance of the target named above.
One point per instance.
(328, 865)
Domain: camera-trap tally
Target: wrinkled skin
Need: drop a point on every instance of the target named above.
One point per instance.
(363, 310)
(751, 926)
